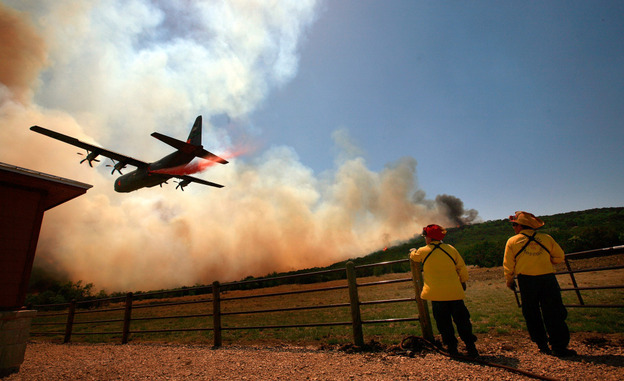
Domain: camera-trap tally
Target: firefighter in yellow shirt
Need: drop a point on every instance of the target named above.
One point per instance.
(445, 276)
(530, 256)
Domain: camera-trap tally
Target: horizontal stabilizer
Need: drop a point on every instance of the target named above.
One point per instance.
(188, 148)
(200, 181)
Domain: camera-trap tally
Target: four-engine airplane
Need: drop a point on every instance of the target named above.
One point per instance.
(148, 174)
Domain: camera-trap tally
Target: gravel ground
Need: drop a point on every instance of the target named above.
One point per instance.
(601, 357)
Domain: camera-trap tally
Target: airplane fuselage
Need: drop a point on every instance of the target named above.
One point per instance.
(145, 177)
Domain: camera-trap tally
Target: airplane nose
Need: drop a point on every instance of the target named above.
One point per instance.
(120, 186)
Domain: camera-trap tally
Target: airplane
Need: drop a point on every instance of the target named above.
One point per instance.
(148, 174)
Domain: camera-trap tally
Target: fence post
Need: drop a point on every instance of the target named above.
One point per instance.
(516, 292)
(423, 309)
(578, 292)
(216, 313)
(354, 299)
(127, 318)
(70, 321)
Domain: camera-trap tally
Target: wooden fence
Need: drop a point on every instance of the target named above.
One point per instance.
(124, 316)
(220, 296)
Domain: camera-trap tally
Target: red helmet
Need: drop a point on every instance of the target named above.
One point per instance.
(434, 231)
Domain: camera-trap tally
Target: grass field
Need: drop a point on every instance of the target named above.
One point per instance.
(492, 306)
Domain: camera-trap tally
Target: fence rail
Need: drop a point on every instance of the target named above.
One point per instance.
(217, 313)
(588, 254)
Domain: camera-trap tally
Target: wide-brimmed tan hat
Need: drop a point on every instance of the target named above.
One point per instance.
(527, 219)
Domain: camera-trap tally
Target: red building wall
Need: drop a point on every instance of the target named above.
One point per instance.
(24, 197)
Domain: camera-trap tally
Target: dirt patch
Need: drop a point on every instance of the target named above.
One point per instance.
(486, 274)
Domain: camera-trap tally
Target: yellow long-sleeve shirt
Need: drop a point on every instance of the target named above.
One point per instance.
(534, 259)
(442, 277)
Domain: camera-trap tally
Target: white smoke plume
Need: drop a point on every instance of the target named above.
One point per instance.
(112, 72)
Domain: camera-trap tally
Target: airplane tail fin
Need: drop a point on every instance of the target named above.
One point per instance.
(192, 145)
(195, 136)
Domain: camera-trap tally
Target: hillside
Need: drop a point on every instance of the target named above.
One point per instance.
(480, 244)
(483, 244)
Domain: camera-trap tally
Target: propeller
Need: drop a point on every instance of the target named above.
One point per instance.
(182, 184)
(117, 166)
(91, 157)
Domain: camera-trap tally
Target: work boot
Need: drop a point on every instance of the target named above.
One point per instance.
(471, 350)
(544, 348)
(452, 350)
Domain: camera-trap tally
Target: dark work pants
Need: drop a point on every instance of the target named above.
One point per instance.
(445, 313)
(543, 310)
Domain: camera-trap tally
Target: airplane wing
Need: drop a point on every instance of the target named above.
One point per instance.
(186, 180)
(94, 151)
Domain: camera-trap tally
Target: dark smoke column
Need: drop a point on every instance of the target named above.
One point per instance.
(453, 208)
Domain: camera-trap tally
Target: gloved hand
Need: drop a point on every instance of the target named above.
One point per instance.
(464, 285)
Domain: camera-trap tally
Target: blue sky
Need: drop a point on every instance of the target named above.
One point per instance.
(507, 105)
